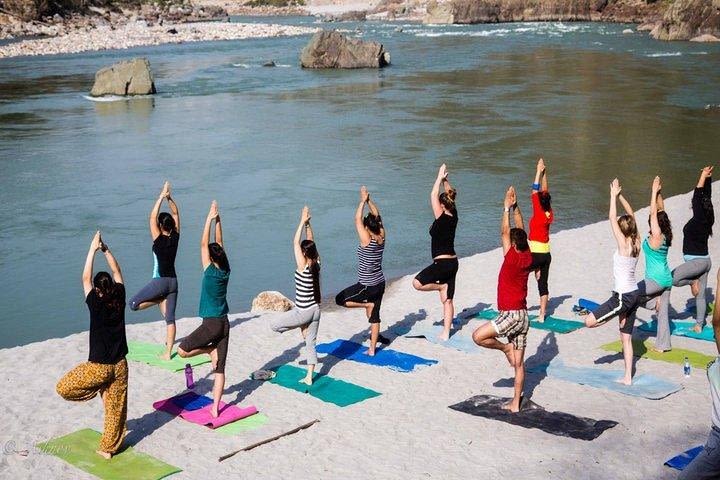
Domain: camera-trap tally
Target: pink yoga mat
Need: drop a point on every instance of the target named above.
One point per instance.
(196, 409)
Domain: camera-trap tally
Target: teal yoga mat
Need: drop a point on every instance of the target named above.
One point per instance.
(683, 329)
(644, 385)
(78, 449)
(327, 389)
(552, 324)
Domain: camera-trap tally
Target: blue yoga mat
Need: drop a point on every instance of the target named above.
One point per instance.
(431, 332)
(645, 385)
(684, 459)
(588, 305)
(392, 359)
(682, 329)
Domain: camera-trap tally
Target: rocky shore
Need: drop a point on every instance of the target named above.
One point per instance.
(138, 33)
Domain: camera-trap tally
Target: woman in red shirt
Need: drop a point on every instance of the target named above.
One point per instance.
(512, 321)
(539, 237)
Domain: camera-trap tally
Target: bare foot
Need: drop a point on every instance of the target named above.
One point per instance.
(695, 288)
(444, 336)
(540, 318)
(659, 350)
(307, 380)
(371, 351)
(214, 411)
(697, 328)
(165, 356)
(105, 455)
(625, 381)
(214, 358)
(512, 407)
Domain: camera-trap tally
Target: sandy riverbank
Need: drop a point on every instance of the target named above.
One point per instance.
(136, 34)
(408, 432)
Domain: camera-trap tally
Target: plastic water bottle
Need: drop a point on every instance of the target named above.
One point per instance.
(686, 367)
(189, 382)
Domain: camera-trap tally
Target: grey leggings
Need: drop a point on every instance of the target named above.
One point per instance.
(297, 318)
(162, 288)
(650, 293)
(687, 273)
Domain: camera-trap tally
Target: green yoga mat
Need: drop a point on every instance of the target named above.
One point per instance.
(552, 324)
(243, 425)
(78, 449)
(148, 353)
(676, 355)
(324, 388)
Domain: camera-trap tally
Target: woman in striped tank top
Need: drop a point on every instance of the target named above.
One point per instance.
(306, 314)
(369, 290)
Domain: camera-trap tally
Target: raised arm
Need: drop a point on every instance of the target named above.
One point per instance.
(205, 239)
(544, 182)
(539, 171)
(303, 225)
(152, 219)
(363, 234)
(174, 211)
(218, 231)
(517, 217)
(615, 190)
(655, 232)
(705, 174)
(435, 192)
(89, 259)
(505, 222)
(112, 262)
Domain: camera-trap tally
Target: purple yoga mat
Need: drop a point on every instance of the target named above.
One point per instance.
(196, 409)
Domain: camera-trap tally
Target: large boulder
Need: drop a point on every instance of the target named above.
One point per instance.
(331, 49)
(271, 301)
(686, 19)
(130, 77)
(439, 14)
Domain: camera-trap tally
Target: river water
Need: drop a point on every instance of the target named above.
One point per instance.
(485, 99)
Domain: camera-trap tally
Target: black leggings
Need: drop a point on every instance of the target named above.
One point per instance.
(363, 294)
(442, 271)
(541, 261)
(213, 332)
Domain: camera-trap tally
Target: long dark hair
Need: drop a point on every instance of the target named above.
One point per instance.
(109, 292)
(218, 255)
(519, 238)
(166, 222)
(545, 198)
(447, 198)
(709, 211)
(373, 223)
(665, 226)
(309, 251)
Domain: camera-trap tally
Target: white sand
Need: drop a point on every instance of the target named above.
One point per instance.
(408, 432)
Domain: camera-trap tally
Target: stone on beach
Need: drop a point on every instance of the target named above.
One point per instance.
(331, 49)
(706, 37)
(129, 77)
(271, 301)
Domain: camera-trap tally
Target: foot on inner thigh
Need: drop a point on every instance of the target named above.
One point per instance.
(695, 288)
(214, 358)
(508, 351)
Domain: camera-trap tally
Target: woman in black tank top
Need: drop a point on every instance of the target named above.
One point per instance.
(440, 276)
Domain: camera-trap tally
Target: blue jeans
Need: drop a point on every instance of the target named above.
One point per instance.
(706, 466)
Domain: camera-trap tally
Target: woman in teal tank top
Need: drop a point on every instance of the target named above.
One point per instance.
(655, 289)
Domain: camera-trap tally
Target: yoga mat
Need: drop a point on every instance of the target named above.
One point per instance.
(431, 332)
(244, 425)
(392, 359)
(324, 388)
(676, 355)
(551, 324)
(682, 329)
(78, 449)
(683, 460)
(532, 415)
(644, 385)
(588, 305)
(196, 409)
(148, 353)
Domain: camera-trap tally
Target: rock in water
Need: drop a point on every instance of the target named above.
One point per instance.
(271, 63)
(334, 50)
(686, 19)
(271, 301)
(130, 77)
(628, 31)
(706, 37)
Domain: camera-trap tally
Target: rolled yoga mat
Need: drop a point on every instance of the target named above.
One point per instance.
(551, 324)
(683, 328)
(644, 385)
(676, 355)
(683, 460)
(327, 389)
(78, 449)
(196, 409)
(148, 353)
(384, 357)
(532, 415)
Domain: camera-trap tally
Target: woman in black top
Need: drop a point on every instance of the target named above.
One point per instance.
(106, 370)
(163, 288)
(441, 274)
(694, 271)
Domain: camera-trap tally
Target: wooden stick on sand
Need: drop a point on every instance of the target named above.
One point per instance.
(271, 439)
